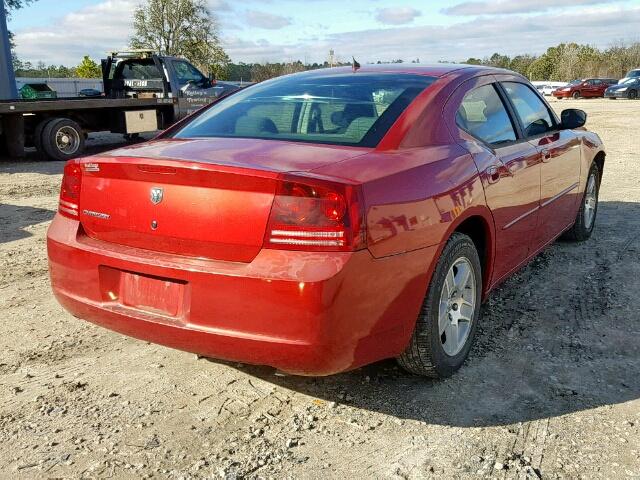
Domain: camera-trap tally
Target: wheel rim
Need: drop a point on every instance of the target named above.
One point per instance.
(457, 306)
(67, 140)
(590, 202)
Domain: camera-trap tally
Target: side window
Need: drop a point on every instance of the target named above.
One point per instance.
(188, 73)
(484, 116)
(531, 111)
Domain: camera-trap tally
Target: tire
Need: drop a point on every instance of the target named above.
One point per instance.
(586, 218)
(37, 137)
(632, 94)
(427, 353)
(575, 95)
(54, 144)
(3, 146)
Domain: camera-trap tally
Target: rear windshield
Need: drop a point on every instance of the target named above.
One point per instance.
(139, 69)
(342, 109)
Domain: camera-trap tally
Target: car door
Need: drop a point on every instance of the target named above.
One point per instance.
(194, 89)
(510, 169)
(560, 155)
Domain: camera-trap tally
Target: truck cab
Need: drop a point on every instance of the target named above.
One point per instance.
(143, 74)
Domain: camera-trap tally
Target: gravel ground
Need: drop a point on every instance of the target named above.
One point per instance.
(551, 389)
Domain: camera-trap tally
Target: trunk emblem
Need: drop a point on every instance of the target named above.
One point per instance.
(156, 195)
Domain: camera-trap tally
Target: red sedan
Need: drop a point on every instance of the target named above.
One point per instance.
(325, 220)
(587, 88)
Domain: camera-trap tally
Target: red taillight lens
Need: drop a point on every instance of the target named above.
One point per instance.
(68, 204)
(313, 214)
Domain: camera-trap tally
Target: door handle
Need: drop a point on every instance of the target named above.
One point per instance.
(546, 155)
(493, 174)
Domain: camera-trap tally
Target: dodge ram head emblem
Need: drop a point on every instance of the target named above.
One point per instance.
(156, 195)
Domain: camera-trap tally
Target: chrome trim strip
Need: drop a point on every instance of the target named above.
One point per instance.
(564, 192)
(521, 217)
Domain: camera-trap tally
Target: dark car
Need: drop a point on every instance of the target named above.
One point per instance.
(587, 88)
(629, 89)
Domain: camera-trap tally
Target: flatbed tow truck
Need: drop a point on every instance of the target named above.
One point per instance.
(143, 92)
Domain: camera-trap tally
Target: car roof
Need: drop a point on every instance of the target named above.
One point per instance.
(434, 70)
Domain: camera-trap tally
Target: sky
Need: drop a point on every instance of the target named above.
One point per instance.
(61, 32)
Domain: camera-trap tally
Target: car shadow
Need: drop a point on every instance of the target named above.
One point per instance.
(554, 339)
(15, 219)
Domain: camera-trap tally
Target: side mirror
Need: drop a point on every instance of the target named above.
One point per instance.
(212, 78)
(572, 118)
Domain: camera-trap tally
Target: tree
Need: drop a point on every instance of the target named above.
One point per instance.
(182, 28)
(88, 68)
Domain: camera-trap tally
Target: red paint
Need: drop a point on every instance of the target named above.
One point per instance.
(587, 88)
(207, 279)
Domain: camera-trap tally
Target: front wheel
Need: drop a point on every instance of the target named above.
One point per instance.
(586, 218)
(576, 95)
(632, 94)
(447, 322)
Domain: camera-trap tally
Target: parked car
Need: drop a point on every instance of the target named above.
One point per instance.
(324, 220)
(548, 89)
(587, 88)
(635, 73)
(628, 89)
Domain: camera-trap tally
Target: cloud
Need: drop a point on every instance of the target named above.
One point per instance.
(93, 31)
(455, 42)
(97, 29)
(219, 6)
(397, 15)
(497, 7)
(266, 20)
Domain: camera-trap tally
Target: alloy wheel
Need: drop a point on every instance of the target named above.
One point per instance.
(590, 202)
(457, 306)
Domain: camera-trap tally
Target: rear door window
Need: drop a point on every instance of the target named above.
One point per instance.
(483, 114)
(531, 110)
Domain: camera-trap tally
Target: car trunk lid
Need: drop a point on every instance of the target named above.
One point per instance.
(198, 208)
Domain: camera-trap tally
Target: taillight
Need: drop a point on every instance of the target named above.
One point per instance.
(68, 204)
(313, 214)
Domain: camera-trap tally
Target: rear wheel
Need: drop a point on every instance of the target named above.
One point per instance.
(62, 139)
(576, 95)
(3, 146)
(449, 315)
(586, 218)
(37, 136)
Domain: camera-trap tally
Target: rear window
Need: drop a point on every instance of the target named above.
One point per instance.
(342, 109)
(144, 69)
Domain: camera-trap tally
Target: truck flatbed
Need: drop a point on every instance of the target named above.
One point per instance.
(78, 103)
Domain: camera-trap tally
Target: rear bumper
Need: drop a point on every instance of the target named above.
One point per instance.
(304, 313)
(615, 94)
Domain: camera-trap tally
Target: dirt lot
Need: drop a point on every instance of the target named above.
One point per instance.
(551, 390)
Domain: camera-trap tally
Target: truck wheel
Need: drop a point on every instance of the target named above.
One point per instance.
(449, 315)
(37, 137)
(576, 95)
(586, 218)
(3, 146)
(62, 139)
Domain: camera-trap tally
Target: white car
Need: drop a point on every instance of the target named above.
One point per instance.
(548, 88)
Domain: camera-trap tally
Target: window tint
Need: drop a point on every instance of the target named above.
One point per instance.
(532, 111)
(349, 109)
(137, 69)
(484, 116)
(188, 73)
